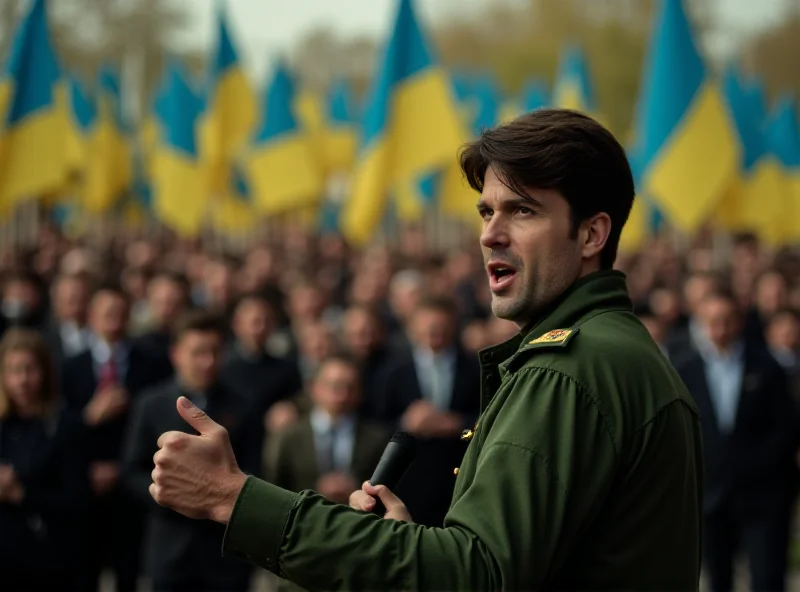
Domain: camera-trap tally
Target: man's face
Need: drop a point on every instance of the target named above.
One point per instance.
(361, 332)
(196, 357)
(529, 255)
(166, 299)
(433, 329)
(336, 388)
(721, 321)
(71, 299)
(108, 316)
(252, 323)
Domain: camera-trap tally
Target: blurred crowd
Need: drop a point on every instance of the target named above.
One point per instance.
(311, 356)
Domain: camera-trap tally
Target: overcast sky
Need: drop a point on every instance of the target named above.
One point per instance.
(264, 28)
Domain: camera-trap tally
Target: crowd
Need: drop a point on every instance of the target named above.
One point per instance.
(311, 356)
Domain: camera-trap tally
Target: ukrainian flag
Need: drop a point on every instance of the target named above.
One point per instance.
(282, 170)
(180, 198)
(83, 112)
(411, 126)
(782, 132)
(685, 136)
(341, 139)
(229, 115)
(33, 158)
(109, 169)
(573, 87)
(756, 200)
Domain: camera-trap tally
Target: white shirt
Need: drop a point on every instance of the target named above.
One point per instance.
(74, 339)
(102, 351)
(343, 433)
(436, 373)
(724, 374)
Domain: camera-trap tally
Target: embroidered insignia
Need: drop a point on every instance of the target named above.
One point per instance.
(468, 434)
(554, 336)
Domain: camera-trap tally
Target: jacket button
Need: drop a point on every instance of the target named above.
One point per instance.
(455, 471)
(487, 356)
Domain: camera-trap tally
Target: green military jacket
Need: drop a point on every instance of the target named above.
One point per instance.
(584, 472)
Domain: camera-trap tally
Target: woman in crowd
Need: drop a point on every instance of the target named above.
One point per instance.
(42, 480)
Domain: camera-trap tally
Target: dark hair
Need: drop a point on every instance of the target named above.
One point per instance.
(201, 321)
(725, 294)
(783, 312)
(563, 150)
(113, 288)
(643, 310)
(174, 277)
(337, 357)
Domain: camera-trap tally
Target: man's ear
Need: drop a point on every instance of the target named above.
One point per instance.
(594, 234)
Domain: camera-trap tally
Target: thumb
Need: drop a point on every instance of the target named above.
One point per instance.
(389, 500)
(197, 418)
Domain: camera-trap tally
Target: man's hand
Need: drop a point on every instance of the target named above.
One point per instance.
(105, 405)
(364, 500)
(336, 487)
(7, 476)
(103, 476)
(197, 476)
(423, 419)
(281, 415)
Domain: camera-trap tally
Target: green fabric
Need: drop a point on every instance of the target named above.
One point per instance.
(584, 472)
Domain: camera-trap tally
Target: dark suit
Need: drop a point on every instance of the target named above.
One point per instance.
(750, 472)
(114, 521)
(184, 554)
(427, 487)
(292, 461)
(265, 380)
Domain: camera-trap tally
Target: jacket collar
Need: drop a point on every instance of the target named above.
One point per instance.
(595, 293)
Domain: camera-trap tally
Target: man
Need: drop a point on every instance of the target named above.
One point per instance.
(168, 297)
(749, 448)
(584, 470)
(184, 554)
(66, 332)
(331, 450)
(432, 392)
(99, 385)
(269, 382)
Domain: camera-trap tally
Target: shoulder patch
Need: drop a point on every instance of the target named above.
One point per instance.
(555, 336)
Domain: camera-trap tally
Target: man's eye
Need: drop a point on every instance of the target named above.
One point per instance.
(525, 211)
(485, 213)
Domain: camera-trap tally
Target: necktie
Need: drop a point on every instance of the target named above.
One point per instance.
(109, 373)
(330, 451)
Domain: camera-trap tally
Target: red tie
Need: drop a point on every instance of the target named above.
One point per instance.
(108, 374)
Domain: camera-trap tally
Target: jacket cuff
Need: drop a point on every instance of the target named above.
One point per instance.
(258, 522)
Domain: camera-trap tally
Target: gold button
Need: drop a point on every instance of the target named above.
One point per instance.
(455, 471)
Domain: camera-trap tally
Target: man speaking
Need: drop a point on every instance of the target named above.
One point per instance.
(584, 471)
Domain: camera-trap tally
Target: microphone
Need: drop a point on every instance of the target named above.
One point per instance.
(394, 463)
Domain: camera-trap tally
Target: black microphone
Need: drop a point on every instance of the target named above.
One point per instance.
(394, 463)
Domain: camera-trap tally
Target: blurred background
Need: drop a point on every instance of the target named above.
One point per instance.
(285, 174)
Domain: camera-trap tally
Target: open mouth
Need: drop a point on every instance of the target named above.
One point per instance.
(501, 275)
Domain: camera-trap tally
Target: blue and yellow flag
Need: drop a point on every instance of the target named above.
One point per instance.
(180, 198)
(282, 169)
(757, 197)
(83, 112)
(573, 87)
(33, 158)
(230, 113)
(109, 168)
(411, 126)
(341, 138)
(685, 136)
(782, 132)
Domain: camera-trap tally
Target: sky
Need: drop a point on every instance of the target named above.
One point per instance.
(265, 28)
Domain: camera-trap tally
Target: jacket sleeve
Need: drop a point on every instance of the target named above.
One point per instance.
(543, 470)
(139, 446)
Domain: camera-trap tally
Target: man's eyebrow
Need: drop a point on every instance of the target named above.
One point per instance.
(516, 200)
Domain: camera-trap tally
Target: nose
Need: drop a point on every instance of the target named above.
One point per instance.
(495, 233)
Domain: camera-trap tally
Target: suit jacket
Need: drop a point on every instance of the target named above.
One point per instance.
(263, 381)
(79, 383)
(755, 460)
(178, 546)
(291, 461)
(427, 487)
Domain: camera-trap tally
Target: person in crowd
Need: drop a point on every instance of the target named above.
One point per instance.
(99, 384)
(749, 444)
(183, 554)
(271, 383)
(66, 332)
(331, 450)
(43, 480)
(433, 392)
